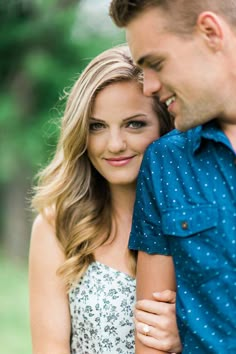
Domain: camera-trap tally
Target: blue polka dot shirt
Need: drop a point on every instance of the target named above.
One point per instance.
(186, 207)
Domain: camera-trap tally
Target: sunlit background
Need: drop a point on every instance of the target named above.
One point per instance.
(44, 45)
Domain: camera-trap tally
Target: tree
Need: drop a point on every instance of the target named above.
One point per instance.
(39, 57)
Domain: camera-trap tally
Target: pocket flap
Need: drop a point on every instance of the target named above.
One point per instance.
(189, 221)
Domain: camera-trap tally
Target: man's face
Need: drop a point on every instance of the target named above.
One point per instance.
(179, 69)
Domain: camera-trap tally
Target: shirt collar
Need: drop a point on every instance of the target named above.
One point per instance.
(208, 131)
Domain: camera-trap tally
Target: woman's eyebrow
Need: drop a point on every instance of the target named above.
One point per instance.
(137, 115)
(96, 119)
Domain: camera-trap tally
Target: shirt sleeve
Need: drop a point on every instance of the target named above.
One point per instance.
(146, 232)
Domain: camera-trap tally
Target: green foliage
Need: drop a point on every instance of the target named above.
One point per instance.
(39, 57)
(44, 45)
(14, 324)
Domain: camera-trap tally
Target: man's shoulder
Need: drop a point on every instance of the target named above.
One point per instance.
(174, 140)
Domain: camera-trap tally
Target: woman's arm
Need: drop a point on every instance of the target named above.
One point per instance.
(155, 273)
(49, 308)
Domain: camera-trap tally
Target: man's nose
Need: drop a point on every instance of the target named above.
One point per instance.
(151, 84)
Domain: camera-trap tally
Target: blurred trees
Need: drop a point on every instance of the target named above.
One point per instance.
(43, 47)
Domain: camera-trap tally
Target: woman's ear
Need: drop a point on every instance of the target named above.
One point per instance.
(211, 27)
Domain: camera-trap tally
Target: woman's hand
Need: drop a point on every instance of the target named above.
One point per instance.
(155, 322)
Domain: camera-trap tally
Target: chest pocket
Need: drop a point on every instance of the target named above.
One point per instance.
(188, 221)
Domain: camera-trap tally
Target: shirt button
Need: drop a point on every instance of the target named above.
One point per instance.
(184, 225)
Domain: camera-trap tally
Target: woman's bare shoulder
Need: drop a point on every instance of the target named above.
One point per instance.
(45, 221)
(43, 236)
(42, 223)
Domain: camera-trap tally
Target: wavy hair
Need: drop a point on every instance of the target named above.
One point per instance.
(69, 188)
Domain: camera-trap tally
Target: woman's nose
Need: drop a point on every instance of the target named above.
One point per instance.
(117, 142)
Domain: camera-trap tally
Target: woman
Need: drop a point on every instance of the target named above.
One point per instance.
(82, 275)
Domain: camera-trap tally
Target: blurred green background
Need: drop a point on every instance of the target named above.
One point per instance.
(44, 45)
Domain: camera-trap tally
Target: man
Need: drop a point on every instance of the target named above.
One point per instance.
(185, 211)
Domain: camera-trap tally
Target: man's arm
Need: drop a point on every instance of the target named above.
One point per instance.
(155, 273)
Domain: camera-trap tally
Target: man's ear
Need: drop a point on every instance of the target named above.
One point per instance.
(210, 26)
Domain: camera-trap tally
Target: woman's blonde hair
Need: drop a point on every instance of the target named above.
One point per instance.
(69, 188)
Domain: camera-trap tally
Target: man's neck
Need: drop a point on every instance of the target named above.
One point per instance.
(230, 131)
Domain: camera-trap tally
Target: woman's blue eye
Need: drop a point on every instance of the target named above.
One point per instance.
(96, 126)
(136, 124)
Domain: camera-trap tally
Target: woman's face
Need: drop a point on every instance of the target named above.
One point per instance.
(121, 127)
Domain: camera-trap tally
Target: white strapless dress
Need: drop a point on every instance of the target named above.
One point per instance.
(101, 307)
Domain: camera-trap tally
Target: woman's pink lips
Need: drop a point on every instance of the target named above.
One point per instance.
(121, 161)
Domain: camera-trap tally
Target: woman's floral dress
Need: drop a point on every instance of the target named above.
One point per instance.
(101, 307)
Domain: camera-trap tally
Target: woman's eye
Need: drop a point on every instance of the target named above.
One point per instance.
(136, 124)
(96, 126)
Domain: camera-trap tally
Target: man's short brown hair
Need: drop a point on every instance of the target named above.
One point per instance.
(123, 11)
(182, 14)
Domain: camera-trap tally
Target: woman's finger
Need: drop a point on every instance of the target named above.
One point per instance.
(155, 307)
(165, 296)
(151, 339)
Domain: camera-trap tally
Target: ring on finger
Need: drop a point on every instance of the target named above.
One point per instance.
(146, 329)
